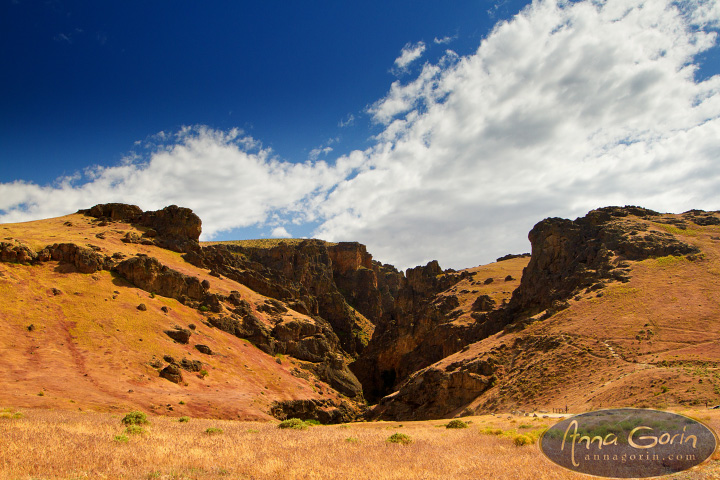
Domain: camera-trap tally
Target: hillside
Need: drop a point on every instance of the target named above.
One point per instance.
(113, 308)
(618, 308)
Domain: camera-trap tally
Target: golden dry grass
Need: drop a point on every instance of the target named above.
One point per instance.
(49, 444)
(68, 445)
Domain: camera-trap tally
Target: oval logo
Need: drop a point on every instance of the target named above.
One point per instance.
(628, 442)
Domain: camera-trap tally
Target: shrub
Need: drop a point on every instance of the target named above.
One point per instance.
(456, 424)
(203, 373)
(10, 414)
(492, 431)
(400, 438)
(184, 419)
(204, 308)
(135, 418)
(352, 440)
(294, 423)
(312, 422)
(214, 431)
(121, 438)
(134, 430)
(521, 440)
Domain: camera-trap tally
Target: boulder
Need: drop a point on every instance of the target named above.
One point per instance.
(483, 303)
(180, 335)
(172, 372)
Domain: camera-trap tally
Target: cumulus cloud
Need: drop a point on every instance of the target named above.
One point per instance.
(280, 232)
(409, 54)
(566, 107)
(225, 177)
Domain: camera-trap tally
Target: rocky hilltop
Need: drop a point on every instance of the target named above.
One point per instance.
(321, 330)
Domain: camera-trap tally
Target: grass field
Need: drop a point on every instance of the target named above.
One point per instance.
(48, 444)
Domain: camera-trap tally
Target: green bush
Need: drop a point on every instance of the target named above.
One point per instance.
(134, 430)
(456, 424)
(10, 414)
(492, 431)
(352, 440)
(121, 438)
(184, 419)
(521, 440)
(294, 423)
(214, 431)
(312, 422)
(135, 418)
(400, 438)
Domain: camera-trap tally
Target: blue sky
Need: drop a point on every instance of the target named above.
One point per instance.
(82, 81)
(424, 129)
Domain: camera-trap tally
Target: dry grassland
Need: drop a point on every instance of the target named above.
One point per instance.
(48, 444)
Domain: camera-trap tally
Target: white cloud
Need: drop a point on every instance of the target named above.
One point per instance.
(348, 121)
(316, 152)
(280, 232)
(217, 174)
(409, 54)
(444, 40)
(566, 107)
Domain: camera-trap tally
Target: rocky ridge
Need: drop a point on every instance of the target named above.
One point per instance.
(406, 339)
(569, 259)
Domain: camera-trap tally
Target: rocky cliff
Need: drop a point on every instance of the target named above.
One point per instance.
(572, 263)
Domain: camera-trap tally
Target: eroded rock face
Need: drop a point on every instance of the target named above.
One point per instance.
(175, 228)
(436, 392)
(304, 276)
(570, 256)
(16, 252)
(150, 275)
(324, 411)
(413, 332)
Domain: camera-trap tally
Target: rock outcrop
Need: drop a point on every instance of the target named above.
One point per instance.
(569, 256)
(175, 228)
(324, 411)
(414, 330)
(152, 276)
(302, 275)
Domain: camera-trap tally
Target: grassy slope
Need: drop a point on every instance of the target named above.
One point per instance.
(606, 354)
(91, 346)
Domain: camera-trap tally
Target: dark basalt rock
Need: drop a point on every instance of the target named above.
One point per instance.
(483, 303)
(180, 335)
(172, 372)
(570, 256)
(191, 365)
(173, 227)
(150, 275)
(324, 411)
